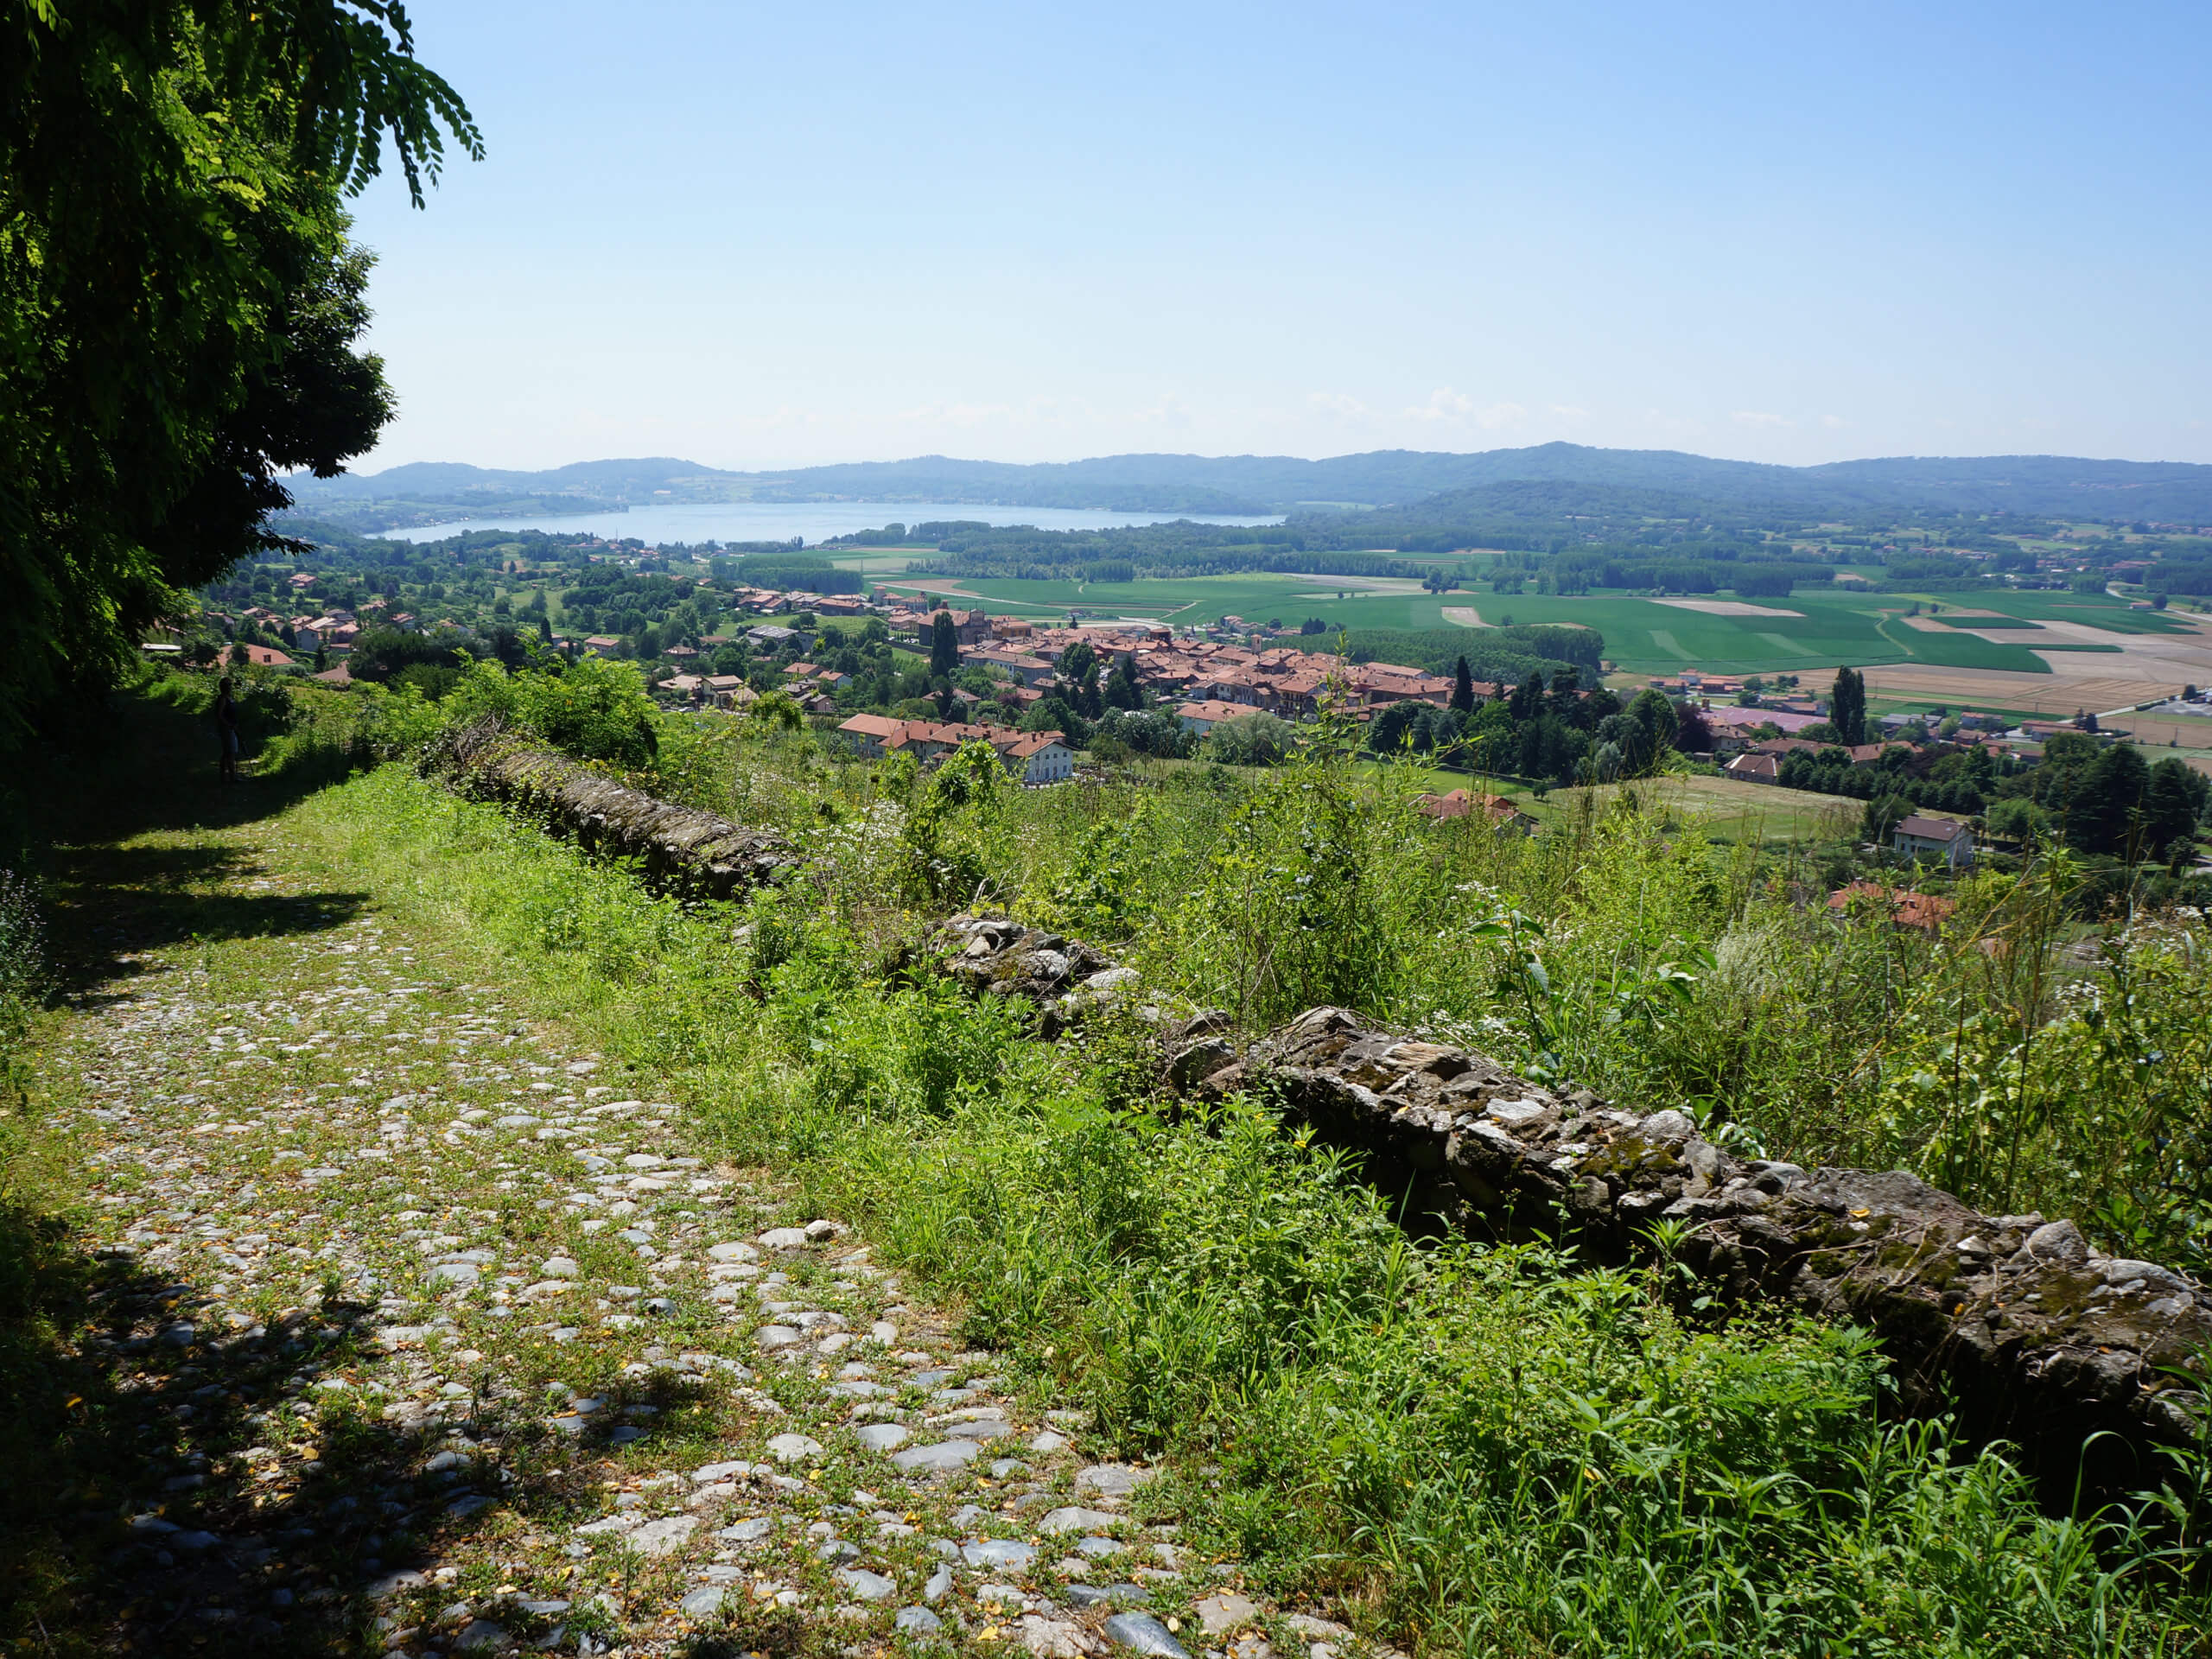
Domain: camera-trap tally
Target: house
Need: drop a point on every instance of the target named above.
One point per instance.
(1030, 670)
(301, 581)
(265, 656)
(1034, 757)
(870, 732)
(1460, 803)
(771, 636)
(1037, 757)
(307, 633)
(1943, 841)
(603, 644)
(338, 676)
(1906, 908)
(730, 691)
(1740, 719)
(1202, 717)
(1754, 768)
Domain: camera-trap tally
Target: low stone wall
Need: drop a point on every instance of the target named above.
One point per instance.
(693, 852)
(2013, 1320)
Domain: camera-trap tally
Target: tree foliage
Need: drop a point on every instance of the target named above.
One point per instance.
(179, 304)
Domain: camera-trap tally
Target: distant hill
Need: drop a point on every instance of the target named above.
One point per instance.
(2044, 486)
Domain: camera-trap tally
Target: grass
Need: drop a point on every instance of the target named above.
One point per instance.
(1471, 1450)
(1476, 1451)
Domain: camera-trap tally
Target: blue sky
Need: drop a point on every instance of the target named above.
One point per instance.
(762, 236)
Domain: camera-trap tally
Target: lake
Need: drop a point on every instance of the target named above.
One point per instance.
(814, 521)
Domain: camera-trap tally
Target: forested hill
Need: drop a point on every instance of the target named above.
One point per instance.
(2165, 492)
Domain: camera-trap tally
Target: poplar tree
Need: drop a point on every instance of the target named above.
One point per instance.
(1847, 706)
(1462, 687)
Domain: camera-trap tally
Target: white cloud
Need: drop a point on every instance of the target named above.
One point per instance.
(1342, 404)
(1171, 411)
(1760, 417)
(1834, 422)
(1446, 404)
(1570, 411)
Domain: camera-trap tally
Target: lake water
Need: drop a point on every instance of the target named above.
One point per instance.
(815, 521)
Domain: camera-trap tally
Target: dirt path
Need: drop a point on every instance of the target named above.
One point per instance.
(416, 1329)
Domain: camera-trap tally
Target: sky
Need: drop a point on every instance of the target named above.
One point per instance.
(760, 236)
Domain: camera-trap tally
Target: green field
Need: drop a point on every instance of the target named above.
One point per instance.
(1642, 636)
(2091, 610)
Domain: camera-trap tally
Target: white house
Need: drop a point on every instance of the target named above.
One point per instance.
(1943, 841)
(1037, 757)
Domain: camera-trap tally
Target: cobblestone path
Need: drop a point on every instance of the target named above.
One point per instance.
(420, 1330)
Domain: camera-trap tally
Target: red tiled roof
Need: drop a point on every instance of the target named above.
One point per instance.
(1906, 907)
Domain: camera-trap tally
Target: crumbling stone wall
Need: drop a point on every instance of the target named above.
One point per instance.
(2013, 1319)
(679, 847)
(2016, 1320)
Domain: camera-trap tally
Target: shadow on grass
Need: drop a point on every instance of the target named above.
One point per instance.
(136, 1520)
(145, 1518)
(149, 768)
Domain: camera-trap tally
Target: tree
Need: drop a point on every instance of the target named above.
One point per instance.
(1462, 687)
(2172, 802)
(1527, 699)
(2104, 813)
(1847, 706)
(1121, 689)
(1386, 733)
(1077, 660)
(1653, 718)
(1883, 814)
(1254, 740)
(178, 305)
(1693, 732)
(944, 645)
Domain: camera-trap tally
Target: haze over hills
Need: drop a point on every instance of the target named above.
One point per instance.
(2057, 486)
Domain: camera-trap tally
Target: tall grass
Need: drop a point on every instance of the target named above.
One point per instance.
(2019, 1056)
(1479, 1451)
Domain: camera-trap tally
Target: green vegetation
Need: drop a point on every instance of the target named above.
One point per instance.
(1481, 1449)
(1463, 1447)
(179, 303)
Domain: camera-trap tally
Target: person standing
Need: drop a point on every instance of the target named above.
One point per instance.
(227, 730)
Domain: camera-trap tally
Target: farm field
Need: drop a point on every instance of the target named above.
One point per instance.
(1806, 630)
(2052, 653)
(1205, 599)
(1729, 809)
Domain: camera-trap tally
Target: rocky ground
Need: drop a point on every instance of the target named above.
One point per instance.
(418, 1329)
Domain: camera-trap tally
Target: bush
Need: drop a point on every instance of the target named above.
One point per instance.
(592, 709)
(1254, 740)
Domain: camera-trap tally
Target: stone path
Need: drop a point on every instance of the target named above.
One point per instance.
(426, 1332)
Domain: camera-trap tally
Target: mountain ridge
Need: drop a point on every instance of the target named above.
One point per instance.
(2058, 486)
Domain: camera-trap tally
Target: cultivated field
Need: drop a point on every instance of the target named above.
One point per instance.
(2035, 653)
(1730, 808)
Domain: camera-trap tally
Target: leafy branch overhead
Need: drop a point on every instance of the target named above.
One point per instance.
(179, 302)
